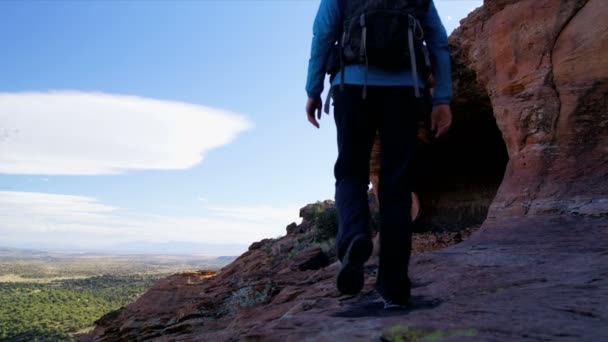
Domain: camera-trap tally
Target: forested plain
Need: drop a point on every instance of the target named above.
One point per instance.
(52, 297)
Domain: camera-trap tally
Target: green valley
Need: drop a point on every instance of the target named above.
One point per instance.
(51, 296)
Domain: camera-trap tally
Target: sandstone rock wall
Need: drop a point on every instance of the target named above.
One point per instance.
(544, 66)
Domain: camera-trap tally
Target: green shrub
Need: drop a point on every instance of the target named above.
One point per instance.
(325, 222)
(247, 297)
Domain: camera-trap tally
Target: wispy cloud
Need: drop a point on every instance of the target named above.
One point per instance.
(33, 216)
(78, 133)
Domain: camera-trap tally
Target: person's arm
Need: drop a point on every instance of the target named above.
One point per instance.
(437, 41)
(326, 28)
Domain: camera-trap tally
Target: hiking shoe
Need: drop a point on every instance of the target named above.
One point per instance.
(351, 276)
(395, 306)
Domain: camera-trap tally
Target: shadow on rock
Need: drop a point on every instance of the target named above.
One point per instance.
(374, 307)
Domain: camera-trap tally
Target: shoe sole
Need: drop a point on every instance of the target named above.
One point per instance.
(351, 277)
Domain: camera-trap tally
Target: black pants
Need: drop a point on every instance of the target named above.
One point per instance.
(393, 111)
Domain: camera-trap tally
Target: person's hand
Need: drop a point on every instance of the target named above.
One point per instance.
(314, 104)
(441, 119)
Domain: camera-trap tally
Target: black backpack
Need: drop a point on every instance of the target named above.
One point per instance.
(382, 33)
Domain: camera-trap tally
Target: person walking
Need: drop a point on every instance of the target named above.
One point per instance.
(378, 53)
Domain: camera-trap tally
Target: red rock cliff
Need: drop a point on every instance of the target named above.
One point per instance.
(544, 66)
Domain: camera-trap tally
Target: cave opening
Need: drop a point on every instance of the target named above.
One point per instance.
(458, 176)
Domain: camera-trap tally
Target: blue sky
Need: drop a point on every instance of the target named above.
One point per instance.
(159, 121)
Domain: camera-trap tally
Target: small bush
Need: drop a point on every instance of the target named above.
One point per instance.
(328, 246)
(325, 222)
(247, 297)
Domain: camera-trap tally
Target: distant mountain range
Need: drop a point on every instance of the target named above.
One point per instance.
(10, 251)
(220, 253)
(177, 248)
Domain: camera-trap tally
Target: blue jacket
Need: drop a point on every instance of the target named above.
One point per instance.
(328, 28)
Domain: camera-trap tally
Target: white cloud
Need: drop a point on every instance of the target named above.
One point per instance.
(77, 133)
(27, 216)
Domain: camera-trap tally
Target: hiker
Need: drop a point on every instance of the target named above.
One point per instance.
(383, 50)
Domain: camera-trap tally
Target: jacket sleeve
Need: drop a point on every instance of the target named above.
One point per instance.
(326, 29)
(437, 41)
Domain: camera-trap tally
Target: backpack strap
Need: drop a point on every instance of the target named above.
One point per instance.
(342, 7)
(363, 53)
(414, 29)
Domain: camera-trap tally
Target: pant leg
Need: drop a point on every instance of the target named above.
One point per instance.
(398, 129)
(355, 130)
